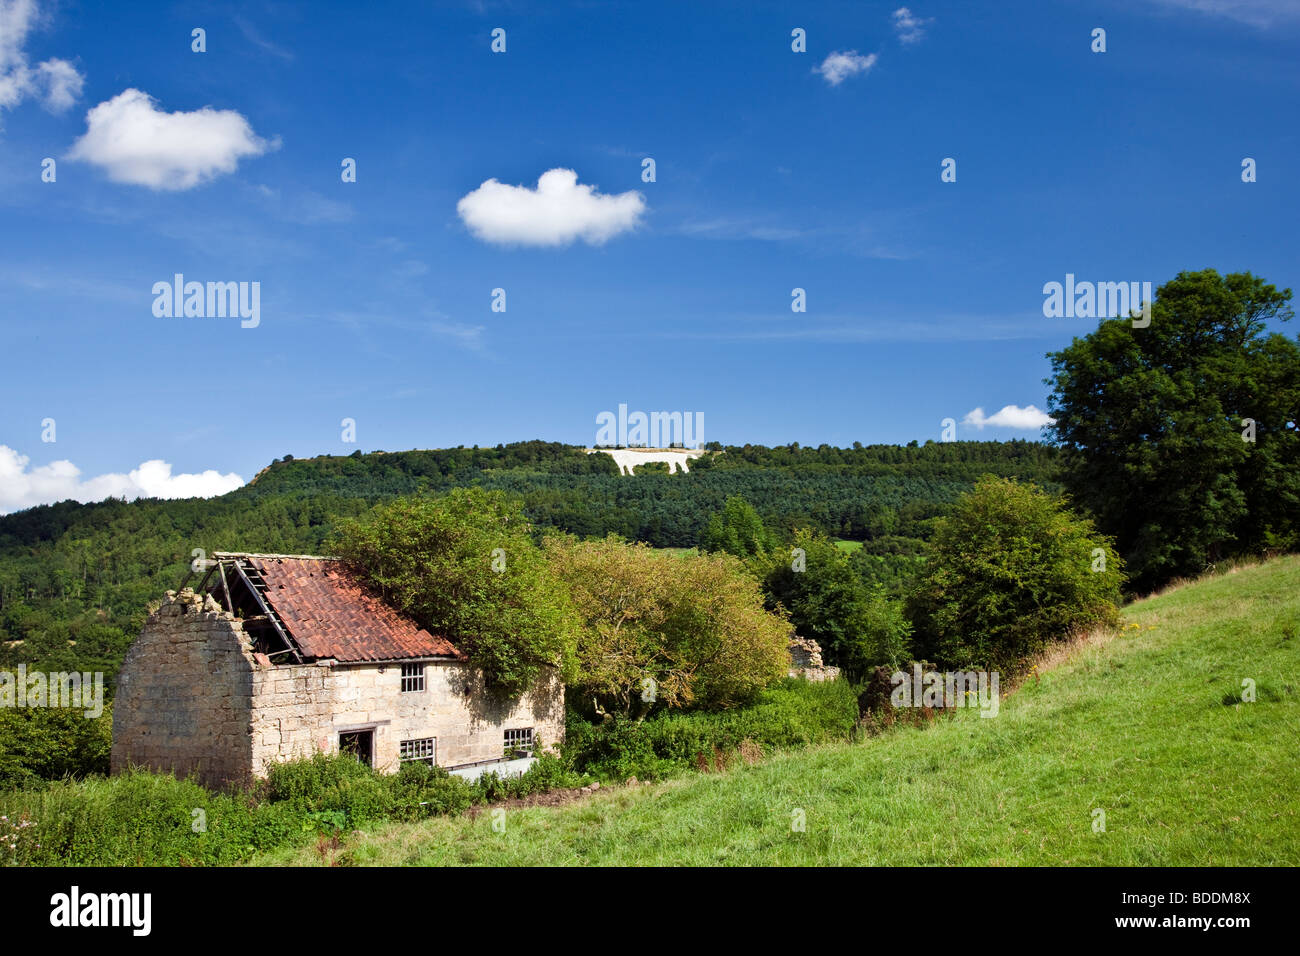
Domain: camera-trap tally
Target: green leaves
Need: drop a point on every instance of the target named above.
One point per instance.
(465, 567)
(1152, 420)
(1010, 571)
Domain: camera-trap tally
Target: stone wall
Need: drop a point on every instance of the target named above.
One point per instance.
(298, 709)
(184, 694)
(806, 660)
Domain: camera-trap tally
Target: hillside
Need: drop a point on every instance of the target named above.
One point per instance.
(1145, 725)
(75, 578)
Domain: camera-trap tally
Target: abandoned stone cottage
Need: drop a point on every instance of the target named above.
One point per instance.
(278, 656)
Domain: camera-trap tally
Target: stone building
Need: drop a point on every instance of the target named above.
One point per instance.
(279, 656)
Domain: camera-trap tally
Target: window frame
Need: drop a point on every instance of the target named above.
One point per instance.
(522, 749)
(413, 678)
(411, 751)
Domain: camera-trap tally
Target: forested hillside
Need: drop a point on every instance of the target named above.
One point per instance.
(75, 579)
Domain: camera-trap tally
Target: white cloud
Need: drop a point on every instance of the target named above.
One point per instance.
(137, 143)
(556, 213)
(910, 28)
(57, 83)
(839, 66)
(1257, 13)
(24, 487)
(1010, 416)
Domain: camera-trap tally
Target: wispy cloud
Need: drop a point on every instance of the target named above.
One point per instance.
(739, 229)
(840, 65)
(855, 329)
(909, 27)
(1256, 13)
(255, 37)
(305, 208)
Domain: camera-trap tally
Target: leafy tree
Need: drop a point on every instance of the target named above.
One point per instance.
(738, 530)
(828, 600)
(666, 629)
(1151, 423)
(1010, 571)
(465, 567)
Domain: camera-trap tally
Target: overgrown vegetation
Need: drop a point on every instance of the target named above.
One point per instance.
(1149, 725)
(664, 630)
(791, 713)
(148, 819)
(465, 567)
(1011, 570)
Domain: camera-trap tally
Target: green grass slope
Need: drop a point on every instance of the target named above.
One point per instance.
(1146, 726)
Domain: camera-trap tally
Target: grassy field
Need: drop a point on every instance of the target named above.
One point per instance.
(1145, 725)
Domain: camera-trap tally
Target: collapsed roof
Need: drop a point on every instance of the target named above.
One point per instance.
(301, 608)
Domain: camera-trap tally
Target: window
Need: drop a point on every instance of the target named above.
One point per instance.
(412, 677)
(519, 743)
(421, 751)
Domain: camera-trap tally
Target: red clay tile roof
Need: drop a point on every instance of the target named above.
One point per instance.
(330, 615)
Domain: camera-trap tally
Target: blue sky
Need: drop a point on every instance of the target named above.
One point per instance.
(924, 298)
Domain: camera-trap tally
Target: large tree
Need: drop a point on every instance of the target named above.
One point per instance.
(1181, 436)
(667, 629)
(465, 567)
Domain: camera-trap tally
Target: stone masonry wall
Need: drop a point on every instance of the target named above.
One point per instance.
(184, 694)
(806, 660)
(299, 709)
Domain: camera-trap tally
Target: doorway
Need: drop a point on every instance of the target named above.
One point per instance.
(359, 743)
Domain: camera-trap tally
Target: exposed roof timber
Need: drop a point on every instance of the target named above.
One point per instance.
(254, 554)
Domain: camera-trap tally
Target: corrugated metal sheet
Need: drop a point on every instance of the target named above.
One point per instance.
(330, 615)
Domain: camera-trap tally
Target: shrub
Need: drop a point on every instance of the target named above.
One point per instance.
(1011, 570)
(691, 627)
(140, 818)
(794, 712)
(856, 626)
(51, 743)
(419, 790)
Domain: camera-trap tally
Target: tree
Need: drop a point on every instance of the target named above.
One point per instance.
(1156, 424)
(465, 567)
(1011, 570)
(737, 530)
(827, 599)
(667, 629)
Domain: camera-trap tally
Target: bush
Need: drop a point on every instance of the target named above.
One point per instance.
(828, 600)
(792, 713)
(419, 790)
(139, 819)
(51, 743)
(1011, 570)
